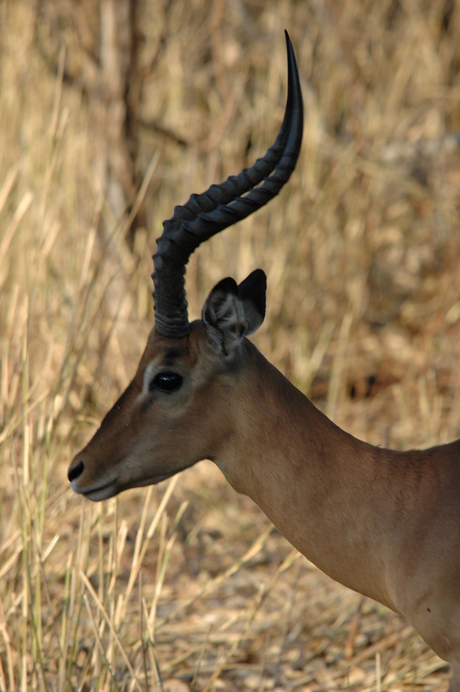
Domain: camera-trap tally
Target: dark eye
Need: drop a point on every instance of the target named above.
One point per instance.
(166, 382)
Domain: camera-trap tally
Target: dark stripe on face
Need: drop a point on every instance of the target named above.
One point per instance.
(171, 355)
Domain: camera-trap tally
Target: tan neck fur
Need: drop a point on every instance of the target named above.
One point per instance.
(340, 501)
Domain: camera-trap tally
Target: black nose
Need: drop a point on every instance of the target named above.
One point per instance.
(75, 471)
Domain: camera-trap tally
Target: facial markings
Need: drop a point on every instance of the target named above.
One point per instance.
(171, 355)
(148, 374)
(164, 361)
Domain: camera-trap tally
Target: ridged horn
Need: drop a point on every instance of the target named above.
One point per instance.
(219, 207)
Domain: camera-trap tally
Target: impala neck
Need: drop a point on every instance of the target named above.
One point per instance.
(323, 489)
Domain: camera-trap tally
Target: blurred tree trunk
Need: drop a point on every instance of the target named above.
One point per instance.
(114, 107)
(101, 41)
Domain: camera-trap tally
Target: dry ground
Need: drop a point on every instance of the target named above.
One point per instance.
(187, 582)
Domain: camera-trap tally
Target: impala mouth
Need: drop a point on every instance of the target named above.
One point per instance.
(113, 487)
(100, 492)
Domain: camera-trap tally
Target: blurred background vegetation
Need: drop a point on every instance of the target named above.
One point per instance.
(111, 113)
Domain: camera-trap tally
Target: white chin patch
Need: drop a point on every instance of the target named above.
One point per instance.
(98, 494)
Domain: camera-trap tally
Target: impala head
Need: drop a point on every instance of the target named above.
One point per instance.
(179, 407)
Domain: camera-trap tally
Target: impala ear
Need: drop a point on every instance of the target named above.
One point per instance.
(231, 312)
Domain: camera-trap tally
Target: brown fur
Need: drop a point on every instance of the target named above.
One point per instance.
(384, 523)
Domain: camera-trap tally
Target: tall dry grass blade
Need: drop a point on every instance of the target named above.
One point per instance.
(8, 648)
(8, 185)
(202, 649)
(109, 623)
(3, 686)
(89, 247)
(65, 632)
(314, 364)
(137, 559)
(149, 644)
(160, 560)
(76, 601)
(164, 564)
(378, 672)
(144, 643)
(18, 418)
(57, 92)
(53, 140)
(10, 562)
(100, 644)
(12, 227)
(140, 532)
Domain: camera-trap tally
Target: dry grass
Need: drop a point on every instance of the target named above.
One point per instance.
(187, 581)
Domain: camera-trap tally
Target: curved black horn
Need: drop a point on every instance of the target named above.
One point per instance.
(219, 207)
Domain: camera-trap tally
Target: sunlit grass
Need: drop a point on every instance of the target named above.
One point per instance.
(187, 581)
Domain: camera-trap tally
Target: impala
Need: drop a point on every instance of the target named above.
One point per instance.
(382, 522)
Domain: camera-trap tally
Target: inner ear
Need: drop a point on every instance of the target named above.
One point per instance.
(231, 311)
(223, 317)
